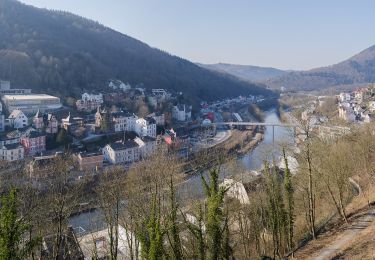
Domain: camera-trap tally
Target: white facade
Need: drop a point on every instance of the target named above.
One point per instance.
(118, 84)
(145, 128)
(31, 103)
(181, 113)
(17, 119)
(123, 122)
(130, 122)
(147, 146)
(121, 153)
(12, 152)
(159, 118)
(345, 97)
(347, 114)
(2, 122)
(96, 245)
(92, 97)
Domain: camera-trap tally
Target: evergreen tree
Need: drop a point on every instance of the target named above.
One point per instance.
(12, 230)
(215, 217)
(275, 209)
(151, 238)
(174, 231)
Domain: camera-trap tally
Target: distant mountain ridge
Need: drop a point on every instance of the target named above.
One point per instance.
(61, 53)
(246, 72)
(359, 69)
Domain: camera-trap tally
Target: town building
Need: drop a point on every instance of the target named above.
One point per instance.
(345, 97)
(103, 119)
(6, 90)
(4, 140)
(119, 120)
(147, 146)
(158, 117)
(119, 85)
(121, 152)
(181, 113)
(161, 94)
(90, 162)
(12, 152)
(145, 127)
(34, 143)
(31, 103)
(17, 119)
(70, 123)
(2, 123)
(45, 122)
(89, 102)
(131, 121)
(96, 244)
(347, 113)
(332, 132)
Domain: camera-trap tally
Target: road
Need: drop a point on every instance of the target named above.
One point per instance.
(221, 136)
(342, 242)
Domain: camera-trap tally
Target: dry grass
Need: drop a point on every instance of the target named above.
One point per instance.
(363, 244)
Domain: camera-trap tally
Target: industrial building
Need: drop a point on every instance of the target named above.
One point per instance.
(31, 103)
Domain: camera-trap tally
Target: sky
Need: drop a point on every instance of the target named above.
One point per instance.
(286, 34)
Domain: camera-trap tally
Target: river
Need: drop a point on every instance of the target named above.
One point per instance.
(192, 188)
(268, 149)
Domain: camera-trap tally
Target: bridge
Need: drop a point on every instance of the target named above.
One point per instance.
(273, 125)
(253, 124)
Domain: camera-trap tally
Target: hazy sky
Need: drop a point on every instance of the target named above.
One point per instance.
(287, 34)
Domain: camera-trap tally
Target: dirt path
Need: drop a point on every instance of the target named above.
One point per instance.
(343, 239)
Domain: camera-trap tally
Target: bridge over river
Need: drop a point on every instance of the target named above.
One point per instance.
(265, 124)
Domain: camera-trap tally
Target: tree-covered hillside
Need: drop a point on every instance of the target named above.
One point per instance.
(65, 54)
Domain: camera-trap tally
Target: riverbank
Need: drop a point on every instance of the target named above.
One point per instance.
(242, 141)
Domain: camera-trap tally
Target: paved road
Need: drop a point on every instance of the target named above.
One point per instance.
(221, 136)
(341, 242)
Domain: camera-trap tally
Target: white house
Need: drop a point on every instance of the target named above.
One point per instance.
(131, 120)
(121, 152)
(92, 97)
(371, 105)
(12, 152)
(345, 97)
(17, 119)
(346, 113)
(147, 146)
(2, 122)
(158, 117)
(119, 121)
(118, 84)
(145, 127)
(181, 113)
(96, 244)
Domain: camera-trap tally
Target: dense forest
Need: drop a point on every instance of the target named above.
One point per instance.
(65, 54)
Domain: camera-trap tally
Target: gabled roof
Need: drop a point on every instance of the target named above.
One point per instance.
(38, 114)
(35, 134)
(16, 113)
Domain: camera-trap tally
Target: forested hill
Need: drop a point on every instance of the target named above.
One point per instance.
(246, 72)
(357, 70)
(61, 53)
